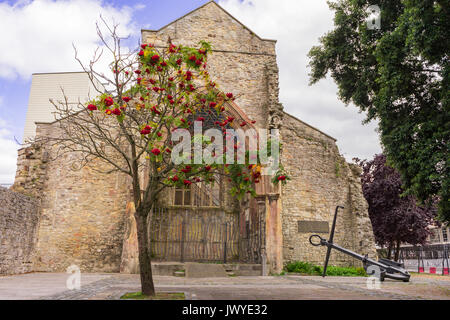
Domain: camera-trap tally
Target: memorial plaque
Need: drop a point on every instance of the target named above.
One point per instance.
(313, 226)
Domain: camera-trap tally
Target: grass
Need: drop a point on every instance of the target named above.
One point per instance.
(311, 269)
(158, 296)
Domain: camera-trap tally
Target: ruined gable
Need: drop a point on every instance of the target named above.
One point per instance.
(211, 23)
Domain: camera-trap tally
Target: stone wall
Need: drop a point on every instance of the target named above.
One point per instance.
(239, 61)
(19, 220)
(321, 180)
(82, 211)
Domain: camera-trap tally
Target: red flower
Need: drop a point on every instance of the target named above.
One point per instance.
(243, 124)
(198, 62)
(152, 81)
(230, 119)
(163, 63)
(200, 119)
(212, 104)
(109, 101)
(186, 169)
(141, 53)
(246, 179)
(143, 46)
(117, 112)
(172, 48)
(139, 80)
(179, 62)
(253, 122)
(126, 99)
(229, 95)
(202, 51)
(137, 71)
(156, 89)
(175, 178)
(168, 150)
(171, 79)
(156, 151)
(207, 168)
(281, 178)
(192, 58)
(159, 134)
(169, 97)
(155, 110)
(155, 57)
(187, 182)
(92, 107)
(145, 131)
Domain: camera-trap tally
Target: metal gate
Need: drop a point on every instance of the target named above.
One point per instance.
(202, 236)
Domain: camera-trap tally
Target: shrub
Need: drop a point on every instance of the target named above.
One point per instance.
(311, 269)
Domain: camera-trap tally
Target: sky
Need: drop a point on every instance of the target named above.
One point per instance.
(38, 36)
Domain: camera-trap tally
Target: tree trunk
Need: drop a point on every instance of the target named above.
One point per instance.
(397, 251)
(389, 254)
(145, 267)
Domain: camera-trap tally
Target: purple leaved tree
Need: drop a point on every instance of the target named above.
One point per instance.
(395, 218)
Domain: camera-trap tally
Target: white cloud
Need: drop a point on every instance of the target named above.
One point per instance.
(297, 25)
(40, 34)
(8, 153)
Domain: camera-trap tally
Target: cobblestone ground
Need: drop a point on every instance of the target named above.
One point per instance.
(52, 286)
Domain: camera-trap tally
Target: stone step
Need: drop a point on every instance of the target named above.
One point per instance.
(178, 269)
(180, 273)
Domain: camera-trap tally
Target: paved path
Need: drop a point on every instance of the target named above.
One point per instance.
(291, 287)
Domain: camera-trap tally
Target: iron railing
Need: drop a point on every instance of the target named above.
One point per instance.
(202, 235)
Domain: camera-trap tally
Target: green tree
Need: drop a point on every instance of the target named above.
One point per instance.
(399, 75)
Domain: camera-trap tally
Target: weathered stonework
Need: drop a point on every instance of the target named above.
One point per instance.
(86, 218)
(321, 180)
(81, 213)
(19, 220)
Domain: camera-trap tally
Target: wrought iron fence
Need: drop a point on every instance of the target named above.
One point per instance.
(436, 255)
(203, 236)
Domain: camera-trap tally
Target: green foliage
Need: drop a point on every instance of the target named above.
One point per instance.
(337, 169)
(310, 269)
(398, 75)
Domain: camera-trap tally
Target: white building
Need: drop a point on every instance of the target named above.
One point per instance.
(45, 86)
